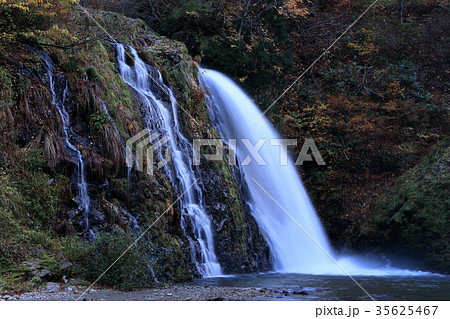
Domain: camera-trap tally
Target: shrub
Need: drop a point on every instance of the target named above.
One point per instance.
(131, 271)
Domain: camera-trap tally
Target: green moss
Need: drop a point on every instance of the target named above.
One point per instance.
(47, 261)
(234, 202)
(414, 215)
(92, 74)
(36, 281)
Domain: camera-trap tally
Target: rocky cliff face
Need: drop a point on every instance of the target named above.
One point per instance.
(123, 203)
(240, 246)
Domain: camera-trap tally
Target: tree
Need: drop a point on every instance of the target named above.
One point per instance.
(25, 17)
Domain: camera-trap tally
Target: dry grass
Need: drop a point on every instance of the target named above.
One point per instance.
(112, 147)
(112, 213)
(54, 149)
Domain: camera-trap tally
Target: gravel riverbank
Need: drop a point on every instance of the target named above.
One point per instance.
(174, 292)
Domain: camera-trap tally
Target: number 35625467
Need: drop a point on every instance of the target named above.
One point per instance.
(406, 310)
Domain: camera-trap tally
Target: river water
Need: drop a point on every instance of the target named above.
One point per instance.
(322, 287)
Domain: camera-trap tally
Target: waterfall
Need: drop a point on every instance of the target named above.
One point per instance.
(160, 115)
(105, 109)
(292, 248)
(60, 100)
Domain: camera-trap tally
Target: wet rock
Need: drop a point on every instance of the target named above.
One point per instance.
(220, 207)
(45, 266)
(220, 225)
(238, 240)
(37, 269)
(64, 265)
(52, 287)
(72, 213)
(96, 217)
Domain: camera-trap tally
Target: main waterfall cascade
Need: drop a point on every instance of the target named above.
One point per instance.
(292, 248)
(161, 117)
(278, 199)
(60, 100)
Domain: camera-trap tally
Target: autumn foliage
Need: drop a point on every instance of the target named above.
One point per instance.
(294, 9)
(20, 18)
